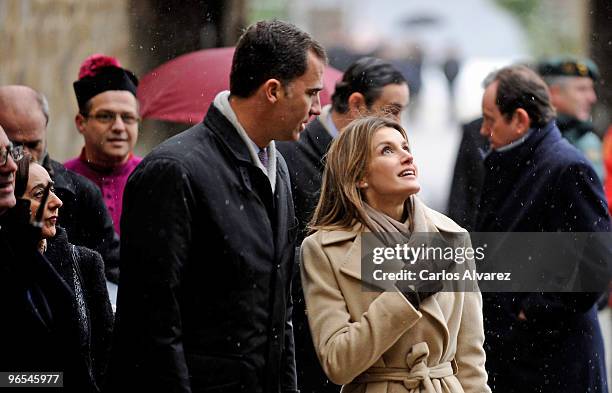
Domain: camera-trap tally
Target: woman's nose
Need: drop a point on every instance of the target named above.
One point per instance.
(54, 201)
(407, 156)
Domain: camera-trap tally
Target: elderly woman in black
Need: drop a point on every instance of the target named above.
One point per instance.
(81, 268)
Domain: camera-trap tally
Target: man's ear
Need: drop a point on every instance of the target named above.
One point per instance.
(272, 89)
(79, 121)
(356, 103)
(522, 121)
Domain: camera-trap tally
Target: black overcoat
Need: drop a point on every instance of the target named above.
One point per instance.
(542, 185)
(97, 323)
(468, 176)
(207, 259)
(39, 331)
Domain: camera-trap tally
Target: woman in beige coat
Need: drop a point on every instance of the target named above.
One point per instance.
(394, 341)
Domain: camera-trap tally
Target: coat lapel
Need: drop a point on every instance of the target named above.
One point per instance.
(351, 261)
(351, 265)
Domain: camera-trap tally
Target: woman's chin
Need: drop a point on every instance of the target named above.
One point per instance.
(413, 190)
(48, 233)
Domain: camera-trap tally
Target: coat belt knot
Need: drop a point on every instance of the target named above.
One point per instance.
(416, 375)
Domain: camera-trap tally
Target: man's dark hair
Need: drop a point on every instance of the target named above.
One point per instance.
(367, 76)
(271, 50)
(521, 87)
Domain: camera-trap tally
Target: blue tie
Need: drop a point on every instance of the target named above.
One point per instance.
(263, 157)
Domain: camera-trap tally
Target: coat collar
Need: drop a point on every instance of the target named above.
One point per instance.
(331, 237)
(222, 103)
(227, 133)
(518, 155)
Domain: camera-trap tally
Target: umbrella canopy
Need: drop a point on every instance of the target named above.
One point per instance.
(182, 89)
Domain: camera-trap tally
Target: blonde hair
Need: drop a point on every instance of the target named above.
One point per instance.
(340, 205)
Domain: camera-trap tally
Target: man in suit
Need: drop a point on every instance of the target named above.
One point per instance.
(536, 181)
(369, 86)
(208, 229)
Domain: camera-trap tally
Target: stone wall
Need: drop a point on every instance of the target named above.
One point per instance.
(43, 43)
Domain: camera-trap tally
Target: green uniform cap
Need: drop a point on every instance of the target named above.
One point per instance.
(567, 66)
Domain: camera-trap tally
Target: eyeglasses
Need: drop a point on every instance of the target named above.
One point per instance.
(108, 117)
(15, 151)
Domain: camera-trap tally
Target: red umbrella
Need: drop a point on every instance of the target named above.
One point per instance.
(181, 89)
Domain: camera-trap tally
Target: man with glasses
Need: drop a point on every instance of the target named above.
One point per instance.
(108, 120)
(8, 155)
(24, 115)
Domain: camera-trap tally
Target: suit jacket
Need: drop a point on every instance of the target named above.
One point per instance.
(438, 348)
(207, 256)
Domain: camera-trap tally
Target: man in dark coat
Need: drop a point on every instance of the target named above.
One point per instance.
(535, 181)
(208, 233)
(369, 85)
(38, 333)
(24, 114)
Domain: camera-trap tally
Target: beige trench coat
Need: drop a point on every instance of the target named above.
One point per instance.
(377, 342)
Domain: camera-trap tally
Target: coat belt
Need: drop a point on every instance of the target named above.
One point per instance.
(412, 379)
